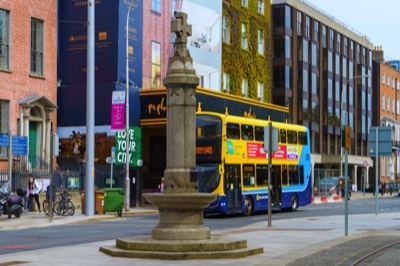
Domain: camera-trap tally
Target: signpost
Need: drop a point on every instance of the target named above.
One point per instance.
(270, 145)
(365, 164)
(111, 160)
(380, 143)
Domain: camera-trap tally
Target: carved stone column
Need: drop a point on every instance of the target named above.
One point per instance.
(180, 206)
(49, 119)
(26, 112)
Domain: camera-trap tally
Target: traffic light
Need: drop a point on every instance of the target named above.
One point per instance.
(346, 137)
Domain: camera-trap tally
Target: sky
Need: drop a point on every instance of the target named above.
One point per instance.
(378, 20)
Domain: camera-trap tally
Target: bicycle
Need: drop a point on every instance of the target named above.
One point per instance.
(64, 206)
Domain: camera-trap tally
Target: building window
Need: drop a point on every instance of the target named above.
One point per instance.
(338, 43)
(393, 82)
(245, 84)
(4, 123)
(156, 64)
(299, 23)
(383, 102)
(226, 29)
(4, 39)
(261, 7)
(288, 17)
(261, 42)
(226, 82)
(383, 78)
(351, 55)
(156, 5)
(244, 36)
(308, 27)
(37, 47)
(388, 103)
(260, 91)
(316, 31)
(331, 37)
(398, 85)
(393, 105)
(388, 81)
(245, 3)
(323, 36)
(363, 56)
(398, 107)
(345, 46)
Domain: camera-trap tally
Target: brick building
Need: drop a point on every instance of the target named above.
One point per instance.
(28, 74)
(387, 112)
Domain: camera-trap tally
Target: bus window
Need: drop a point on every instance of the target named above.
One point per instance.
(248, 175)
(293, 175)
(247, 132)
(232, 131)
(282, 135)
(259, 133)
(208, 127)
(284, 176)
(292, 137)
(301, 174)
(303, 138)
(262, 175)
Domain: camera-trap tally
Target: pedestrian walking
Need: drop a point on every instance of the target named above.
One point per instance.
(33, 192)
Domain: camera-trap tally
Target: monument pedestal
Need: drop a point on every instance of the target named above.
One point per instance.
(181, 215)
(180, 234)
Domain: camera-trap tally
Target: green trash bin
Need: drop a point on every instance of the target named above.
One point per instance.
(113, 200)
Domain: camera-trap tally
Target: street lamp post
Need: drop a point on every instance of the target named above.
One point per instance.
(346, 155)
(127, 182)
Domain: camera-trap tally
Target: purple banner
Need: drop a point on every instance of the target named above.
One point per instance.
(118, 110)
(117, 116)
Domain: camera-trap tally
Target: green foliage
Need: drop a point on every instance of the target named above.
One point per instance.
(248, 63)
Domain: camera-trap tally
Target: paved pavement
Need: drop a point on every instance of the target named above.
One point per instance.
(302, 241)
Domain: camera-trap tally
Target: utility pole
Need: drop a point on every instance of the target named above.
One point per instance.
(127, 180)
(89, 175)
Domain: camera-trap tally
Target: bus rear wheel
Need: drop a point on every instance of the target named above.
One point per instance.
(294, 203)
(248, 206)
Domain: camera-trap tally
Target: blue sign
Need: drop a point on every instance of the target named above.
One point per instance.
(380, 137)
(4, 140)
(19, 145)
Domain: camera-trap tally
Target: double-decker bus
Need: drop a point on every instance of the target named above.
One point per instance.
(231, 162)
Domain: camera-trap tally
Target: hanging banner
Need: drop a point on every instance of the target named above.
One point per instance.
(118, 110)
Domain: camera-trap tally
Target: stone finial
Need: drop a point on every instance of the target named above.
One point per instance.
(181, 29)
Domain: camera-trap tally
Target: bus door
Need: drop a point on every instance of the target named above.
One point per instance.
(276, 186)
(232, 187)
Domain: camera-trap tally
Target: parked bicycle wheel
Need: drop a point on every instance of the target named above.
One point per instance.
(70, 208)
(56, 208)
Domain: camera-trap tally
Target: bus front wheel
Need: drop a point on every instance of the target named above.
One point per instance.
(248, 206)
(294, 203)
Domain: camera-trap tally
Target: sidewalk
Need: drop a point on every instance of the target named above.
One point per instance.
(354, 195)
(33, 219)
(283, 243)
